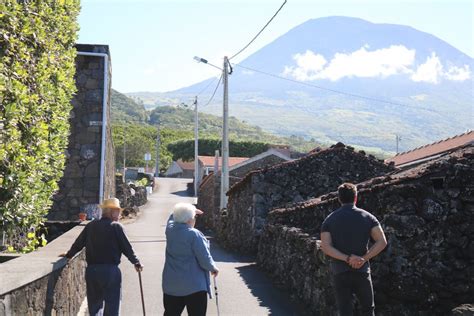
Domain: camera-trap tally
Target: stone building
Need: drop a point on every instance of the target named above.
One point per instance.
(432, 151)
(89, 174)
(251, 199)
(427, 213)
(209, 189)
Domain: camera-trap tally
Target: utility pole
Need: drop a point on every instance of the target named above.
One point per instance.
(124, 152)
(196, 144)
(157, 161)
(398, 138)
(225, 138)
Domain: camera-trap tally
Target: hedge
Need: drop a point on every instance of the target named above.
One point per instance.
(37, 65)
(184, 149)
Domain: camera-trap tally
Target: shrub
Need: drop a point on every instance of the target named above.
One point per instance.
(37, 65)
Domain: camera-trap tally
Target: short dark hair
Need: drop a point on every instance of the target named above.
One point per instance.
(347, 192)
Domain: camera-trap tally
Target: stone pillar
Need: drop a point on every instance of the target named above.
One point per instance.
(80, 184)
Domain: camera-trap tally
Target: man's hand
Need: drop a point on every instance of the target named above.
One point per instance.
(215, 272)
(138, 267)
(199, 212)
(356, 262)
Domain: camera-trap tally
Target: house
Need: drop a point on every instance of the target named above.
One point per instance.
(432, 151)
(181, 169)
(209, 189)
(207, 164)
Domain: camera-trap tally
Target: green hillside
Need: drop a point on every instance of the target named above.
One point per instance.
(126, 109)
(135, 126)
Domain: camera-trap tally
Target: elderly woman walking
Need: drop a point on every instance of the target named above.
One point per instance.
(186, 281)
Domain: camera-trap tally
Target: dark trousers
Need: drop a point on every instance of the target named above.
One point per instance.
(348, 283)
(104, 283)
(196, 304)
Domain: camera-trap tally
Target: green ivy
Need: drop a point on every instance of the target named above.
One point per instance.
(37, 68)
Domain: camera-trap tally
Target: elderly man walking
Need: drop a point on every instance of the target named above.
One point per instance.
(105, 242)
(188, 262)
(345, 235)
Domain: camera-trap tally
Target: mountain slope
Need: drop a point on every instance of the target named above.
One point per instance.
(423, 84)
(126, 109)
(180, 118)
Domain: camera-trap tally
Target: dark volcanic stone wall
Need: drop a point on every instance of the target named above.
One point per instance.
(208, 202)
(209, 190)
(428, 216)
(251, 199)
(80, 183)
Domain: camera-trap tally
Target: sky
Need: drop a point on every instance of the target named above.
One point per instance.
(153, 42)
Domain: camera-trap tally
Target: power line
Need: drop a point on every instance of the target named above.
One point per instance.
(335, 91)
(214, 93)
(208, 85)
(255, 37)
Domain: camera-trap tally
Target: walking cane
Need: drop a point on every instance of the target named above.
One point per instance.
(217, 296)
(141, 291)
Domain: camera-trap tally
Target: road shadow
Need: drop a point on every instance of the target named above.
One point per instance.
(182, 193)
(220, 254)
(276, 300)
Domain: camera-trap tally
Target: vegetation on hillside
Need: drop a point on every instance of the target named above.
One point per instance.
(37, 68)
(126, 109)
(130, 119)
(140, 139)
(184, 149)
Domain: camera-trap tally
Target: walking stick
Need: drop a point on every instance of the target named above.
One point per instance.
(141, 291)
(217, 296)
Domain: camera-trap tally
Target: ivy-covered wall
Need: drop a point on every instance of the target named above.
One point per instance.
(36, 86)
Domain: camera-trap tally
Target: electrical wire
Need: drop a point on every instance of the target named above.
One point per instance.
(255, 37)
(214, 93)
(336, 91)
(208, 85)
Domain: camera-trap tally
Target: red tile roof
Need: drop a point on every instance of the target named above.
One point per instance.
(186, 165)
(431, 150)
(208, 161)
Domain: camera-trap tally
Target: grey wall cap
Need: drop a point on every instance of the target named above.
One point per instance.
(28, 268)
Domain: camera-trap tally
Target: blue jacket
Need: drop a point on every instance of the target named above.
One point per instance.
(188, 260)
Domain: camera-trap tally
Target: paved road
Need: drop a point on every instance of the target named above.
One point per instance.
(243, 289)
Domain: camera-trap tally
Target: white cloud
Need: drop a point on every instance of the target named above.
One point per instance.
(361, 63)
(430, 71)
(248, 72)
(380, 63)
(458, 73)
(308, 66)
(367, 64)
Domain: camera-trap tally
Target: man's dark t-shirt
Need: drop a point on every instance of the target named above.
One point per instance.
(350, 228)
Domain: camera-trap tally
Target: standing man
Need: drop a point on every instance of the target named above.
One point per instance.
(345, 235)
(105, 241)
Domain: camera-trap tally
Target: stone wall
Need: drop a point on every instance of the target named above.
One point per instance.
(251, 199)
(81, 181)
(40, 283)
(208, 201)
(209, 190)
(427, 214)
(130, 197)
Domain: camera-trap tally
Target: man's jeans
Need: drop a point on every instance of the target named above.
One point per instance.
(358, 283)
(104, 283)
